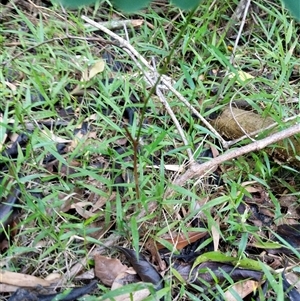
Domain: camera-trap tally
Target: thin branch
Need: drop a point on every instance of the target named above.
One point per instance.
(178, 126)
(232, 142)
(240, 31)
(122, 43)
(118, 24)
(236, 121)
(198, 170)
(167, 83)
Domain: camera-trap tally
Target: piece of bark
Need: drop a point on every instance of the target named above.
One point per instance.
(234, 123)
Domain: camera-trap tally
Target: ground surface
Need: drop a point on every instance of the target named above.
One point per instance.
(97, 149)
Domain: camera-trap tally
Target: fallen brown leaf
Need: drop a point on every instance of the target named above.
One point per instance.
(243, 289)
(180, 240)
(107, 269)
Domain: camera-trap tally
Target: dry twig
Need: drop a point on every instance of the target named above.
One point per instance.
(199, 170)
(118, 24)
(247, 5)
(253, 134)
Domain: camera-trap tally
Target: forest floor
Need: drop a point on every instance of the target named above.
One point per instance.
(139, 158)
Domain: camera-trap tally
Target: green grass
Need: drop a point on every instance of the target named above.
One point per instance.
(51, 238)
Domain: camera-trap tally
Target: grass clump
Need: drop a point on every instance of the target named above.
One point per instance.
(94, 159)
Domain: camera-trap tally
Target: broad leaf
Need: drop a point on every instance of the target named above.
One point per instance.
(125, 5)
(294, 7)
(76, 3)
(186, 4)
(132, 5)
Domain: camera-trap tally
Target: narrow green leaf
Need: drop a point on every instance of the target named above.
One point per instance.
(127, 289)
(135, 234)
(276, 285)
(178, 276)
(219, 257)
(267, 245)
